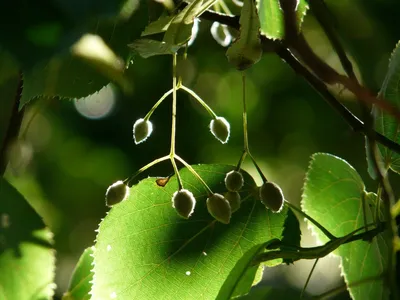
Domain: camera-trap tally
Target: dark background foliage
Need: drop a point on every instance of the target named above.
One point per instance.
(68, 160)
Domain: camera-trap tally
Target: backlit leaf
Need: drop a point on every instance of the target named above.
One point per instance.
(334, 195)
(144, 249)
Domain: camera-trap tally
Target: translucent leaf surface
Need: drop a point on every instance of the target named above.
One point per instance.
(158, 26)
(271, 17)
(333, 195)
(144, 249)
(26, 257)
(80, 283)
(385, 123)
(246, 49)
(147, 48)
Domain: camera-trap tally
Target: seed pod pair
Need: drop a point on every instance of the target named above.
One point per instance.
(220, 128)
(116, 193)
(184, 202)
(218, 206)
(142, 130)
(271, 196)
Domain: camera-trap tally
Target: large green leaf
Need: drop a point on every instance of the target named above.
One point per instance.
(147, 48)
(334, 196)
(26, 255)
(386, 123)
(144, 249)
(36, 31)
(246, 49)
(80, 284)
(271, 17)
(70, 76)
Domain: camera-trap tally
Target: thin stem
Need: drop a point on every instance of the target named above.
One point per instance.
(197, 97)
(319, 226)
(308, 278)
(264, 179)
(128, 181)
(148, 115)
(194, 173)
(396, 209)
(173, 125)
(245, 133)
(178, 176)
(241, 160)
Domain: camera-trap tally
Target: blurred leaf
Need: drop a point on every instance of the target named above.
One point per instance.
(334, 195)
(267, 292)
(36, 31)
(8, 90)
(385, 123)
(240, 279)
(180, 29)
(80, 284)
(151, 251)
(246, 49)
(271, 17)
(69, 76)
(147, 48)
(26, 256)
(291, 233)
(158, 26)
(92, 49)
(8, 66)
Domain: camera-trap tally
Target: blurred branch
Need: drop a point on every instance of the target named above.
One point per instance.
(270, 45)
(13, 127)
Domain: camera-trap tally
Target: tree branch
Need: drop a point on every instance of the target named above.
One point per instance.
(269, 45)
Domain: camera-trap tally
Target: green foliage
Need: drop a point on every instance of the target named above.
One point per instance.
(246, 50)
(143, 243)
(40, 31)
(334, 194)
(73, 76)
(241, 277)
(80, 283)
(8, 89)
(291, 233)
(180, 29)
(385, 123)
(271, 17)
(26, 256)
(147, 48)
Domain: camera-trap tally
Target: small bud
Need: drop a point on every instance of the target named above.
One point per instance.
(234, 181)
(220, 128)
(233, 199)
(221, 34)
(271, 196)
(184, 202)
(142, 130)
(116, 193)
(219, 208)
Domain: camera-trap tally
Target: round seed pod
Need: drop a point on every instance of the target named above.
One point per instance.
(234, 181)
(142, 130)
(184, 202)
(116, 193)
(220, 128)
(219, 208)
(271, 196)
(233, 199)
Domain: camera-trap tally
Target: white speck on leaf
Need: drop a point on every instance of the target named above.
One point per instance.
(113, 295)
(188, 273)
(108, 248)
(205, 254)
